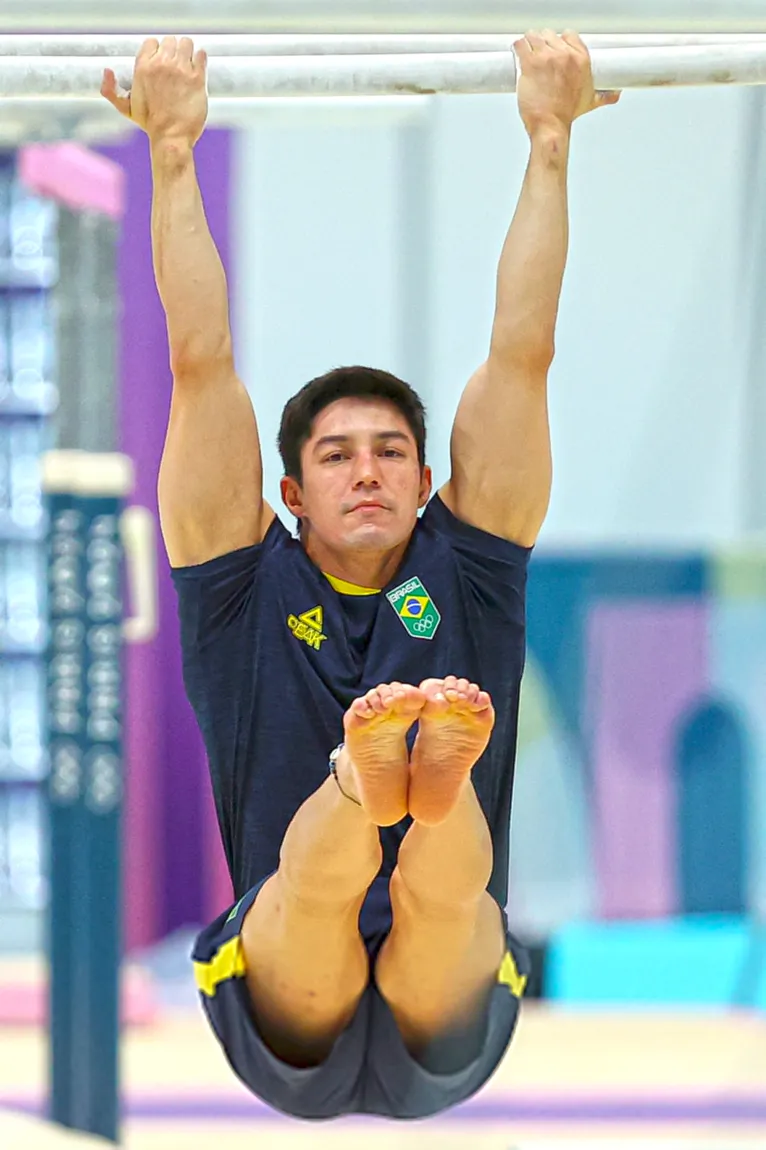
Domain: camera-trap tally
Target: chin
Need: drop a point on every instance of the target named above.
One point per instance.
(372, 537)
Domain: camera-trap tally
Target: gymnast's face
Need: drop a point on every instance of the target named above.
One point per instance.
(362, 481)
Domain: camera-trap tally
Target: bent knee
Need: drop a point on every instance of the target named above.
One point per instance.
(304, 941)
(459, 903)
(456, 887)
(432, 964)
(328, 878)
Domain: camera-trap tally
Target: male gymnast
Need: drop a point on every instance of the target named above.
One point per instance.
(367, 966)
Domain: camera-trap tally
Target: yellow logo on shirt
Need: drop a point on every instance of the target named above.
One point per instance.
(308, 627)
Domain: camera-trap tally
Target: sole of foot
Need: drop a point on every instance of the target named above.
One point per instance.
(376, 726)
(455, 726)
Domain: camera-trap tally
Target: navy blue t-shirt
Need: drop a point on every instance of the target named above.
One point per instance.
(274, 653)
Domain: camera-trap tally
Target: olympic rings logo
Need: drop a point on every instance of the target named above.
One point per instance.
(423, 625)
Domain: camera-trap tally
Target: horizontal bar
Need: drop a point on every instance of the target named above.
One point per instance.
(339, 45)
(368, 16)
(467, 73)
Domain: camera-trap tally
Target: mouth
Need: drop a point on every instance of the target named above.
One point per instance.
(369, 507)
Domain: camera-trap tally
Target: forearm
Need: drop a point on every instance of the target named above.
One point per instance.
(189, 273)
(533, 260)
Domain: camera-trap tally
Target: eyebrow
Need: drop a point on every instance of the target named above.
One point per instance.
(328, 440)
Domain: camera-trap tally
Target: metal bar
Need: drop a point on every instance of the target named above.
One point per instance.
(298, 76)
(448, 16)
(279, 76)
(340, 45)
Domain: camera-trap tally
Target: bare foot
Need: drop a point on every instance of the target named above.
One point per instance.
(455, 725)
(378, 759)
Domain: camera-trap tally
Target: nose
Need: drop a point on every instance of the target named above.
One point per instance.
(367, 470)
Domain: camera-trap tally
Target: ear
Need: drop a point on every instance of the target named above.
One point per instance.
(292, 496)
(426, 486)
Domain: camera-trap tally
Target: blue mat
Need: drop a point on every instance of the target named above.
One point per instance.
(700, 961)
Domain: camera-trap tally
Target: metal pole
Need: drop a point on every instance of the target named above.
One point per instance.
(298, 76)
(340, 45)
(84, 495)
(478, 16)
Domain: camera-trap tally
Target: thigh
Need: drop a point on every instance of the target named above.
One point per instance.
(306, 969)
(317, 1088)
(437, 972)
(399, 1084)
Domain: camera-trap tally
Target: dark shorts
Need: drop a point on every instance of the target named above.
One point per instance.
(369, 1070)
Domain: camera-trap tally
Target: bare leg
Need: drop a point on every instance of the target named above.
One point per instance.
(306, 963)
(441, 960)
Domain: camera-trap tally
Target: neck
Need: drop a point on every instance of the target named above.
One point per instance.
(373, 569)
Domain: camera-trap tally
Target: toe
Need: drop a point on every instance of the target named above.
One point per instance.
(412, 698)
(375, 700)
(360, 709)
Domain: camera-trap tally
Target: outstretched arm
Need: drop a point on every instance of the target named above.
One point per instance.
(210, 485)
(501, 456)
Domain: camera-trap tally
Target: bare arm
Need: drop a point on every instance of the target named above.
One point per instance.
(501, 454)
(210, 485)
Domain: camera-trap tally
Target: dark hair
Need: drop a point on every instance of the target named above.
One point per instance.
(345, 383)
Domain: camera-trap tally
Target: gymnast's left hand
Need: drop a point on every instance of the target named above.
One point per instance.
(555, 82)
(168, 97)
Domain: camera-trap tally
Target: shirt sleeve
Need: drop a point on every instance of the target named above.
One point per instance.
(216, 594)
(493, 570)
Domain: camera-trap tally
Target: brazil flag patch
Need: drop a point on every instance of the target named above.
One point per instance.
(415, 608)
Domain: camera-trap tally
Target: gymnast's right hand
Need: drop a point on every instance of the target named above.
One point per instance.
(168, 98)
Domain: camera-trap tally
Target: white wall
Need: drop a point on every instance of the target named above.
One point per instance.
(316, 262)
(649, 390)
(651, 325)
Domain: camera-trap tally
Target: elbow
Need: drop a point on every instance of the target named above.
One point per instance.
(534, 356)
(197, 359)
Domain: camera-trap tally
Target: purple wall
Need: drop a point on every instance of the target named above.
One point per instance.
(169, 850)
(647, 662)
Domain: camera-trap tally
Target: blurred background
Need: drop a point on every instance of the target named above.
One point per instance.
(370, 234)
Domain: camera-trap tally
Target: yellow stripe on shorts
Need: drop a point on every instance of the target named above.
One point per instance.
(509, 976)
(227, 963)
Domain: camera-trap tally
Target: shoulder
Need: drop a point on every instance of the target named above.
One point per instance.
(468, 539)
(490, 573)
(233, 563)
(212, 594)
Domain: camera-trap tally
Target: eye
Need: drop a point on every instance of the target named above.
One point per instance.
(334, 457)
(393, 452)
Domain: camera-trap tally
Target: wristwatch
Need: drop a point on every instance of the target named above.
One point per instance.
(334, 756)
